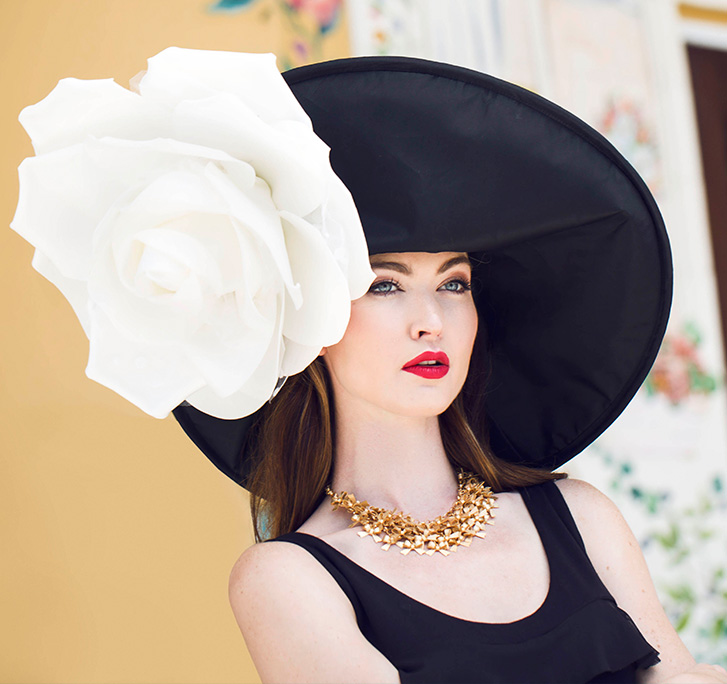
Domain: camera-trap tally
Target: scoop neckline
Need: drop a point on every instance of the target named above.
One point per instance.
(533, 617)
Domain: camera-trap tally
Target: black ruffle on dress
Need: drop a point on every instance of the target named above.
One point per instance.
(578, 634)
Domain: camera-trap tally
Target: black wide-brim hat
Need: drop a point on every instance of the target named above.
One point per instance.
(570, 250)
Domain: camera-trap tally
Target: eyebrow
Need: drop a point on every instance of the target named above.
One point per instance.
(454, 261)
(403, 268)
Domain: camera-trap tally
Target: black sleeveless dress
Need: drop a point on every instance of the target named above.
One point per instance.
(578, 634)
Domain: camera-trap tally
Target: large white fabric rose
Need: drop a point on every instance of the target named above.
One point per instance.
(195, 226)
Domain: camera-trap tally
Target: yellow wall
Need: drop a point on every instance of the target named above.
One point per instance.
(116, 535)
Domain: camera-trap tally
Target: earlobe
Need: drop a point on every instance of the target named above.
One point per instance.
(323, 351)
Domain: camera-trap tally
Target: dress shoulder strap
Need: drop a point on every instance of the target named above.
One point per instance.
(571, 567)
(548, 495)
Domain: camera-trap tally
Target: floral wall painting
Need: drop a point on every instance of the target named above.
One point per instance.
(686, 541)
(307, 21)
(625, 125)
(389, 26)
(679, 370)
(492, 36)
(601, 71)
(520, 41)
(664, 437)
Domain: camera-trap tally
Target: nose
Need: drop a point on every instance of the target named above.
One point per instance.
(427, 319)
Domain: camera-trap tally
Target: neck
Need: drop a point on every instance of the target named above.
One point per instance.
(394, 462)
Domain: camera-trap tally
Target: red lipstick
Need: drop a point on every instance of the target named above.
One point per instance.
(432, 365)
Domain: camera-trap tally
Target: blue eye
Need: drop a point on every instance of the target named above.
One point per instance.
(384, 287)
(457, 285)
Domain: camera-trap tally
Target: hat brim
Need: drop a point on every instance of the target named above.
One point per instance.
(572, 260)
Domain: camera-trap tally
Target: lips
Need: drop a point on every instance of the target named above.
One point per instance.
(432, 365)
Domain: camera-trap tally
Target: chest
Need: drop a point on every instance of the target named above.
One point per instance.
(501, 578)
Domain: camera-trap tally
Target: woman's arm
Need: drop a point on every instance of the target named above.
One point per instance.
(617, 558)
(298, 624)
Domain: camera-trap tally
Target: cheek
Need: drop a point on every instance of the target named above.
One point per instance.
(474, 326)
(466, 324)
(364, 331)
(362, 350)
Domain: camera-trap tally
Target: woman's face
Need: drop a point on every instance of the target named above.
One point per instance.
(408, 344)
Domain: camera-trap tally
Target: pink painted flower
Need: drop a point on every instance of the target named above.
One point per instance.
(324, 11)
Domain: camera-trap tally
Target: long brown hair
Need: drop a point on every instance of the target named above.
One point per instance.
(295, 439)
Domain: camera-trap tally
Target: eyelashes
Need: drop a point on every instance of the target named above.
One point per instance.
(378, 287)
(389, 286)
(462, 285)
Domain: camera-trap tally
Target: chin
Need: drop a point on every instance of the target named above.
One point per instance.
(424, 409)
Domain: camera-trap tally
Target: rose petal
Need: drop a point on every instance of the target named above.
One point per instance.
(344, 233)
(65, 194)
(155, 378)
(297, 357)
(176, 74)
(323, 317)
(122, 283)
(242, 326)
(168, 280)
(252, 396)
(60, 203)
(243, 403)
(289, 156)
(166, 318)
(75, 291)
(227, 367)
(186, 203)
(255, 212)
(142, 160)
(76, 109)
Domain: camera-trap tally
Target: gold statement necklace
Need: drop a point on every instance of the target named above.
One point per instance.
(467, 518)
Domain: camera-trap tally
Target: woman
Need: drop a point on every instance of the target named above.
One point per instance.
(569, 272)
(522, 283)
(299, 624)
(306, 604)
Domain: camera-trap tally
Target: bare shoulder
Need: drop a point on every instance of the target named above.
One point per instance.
(598, 519)
(263, 562)
(298, 624)
(257, 566)
(610, 543)
(279, 576)
(583, 497)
